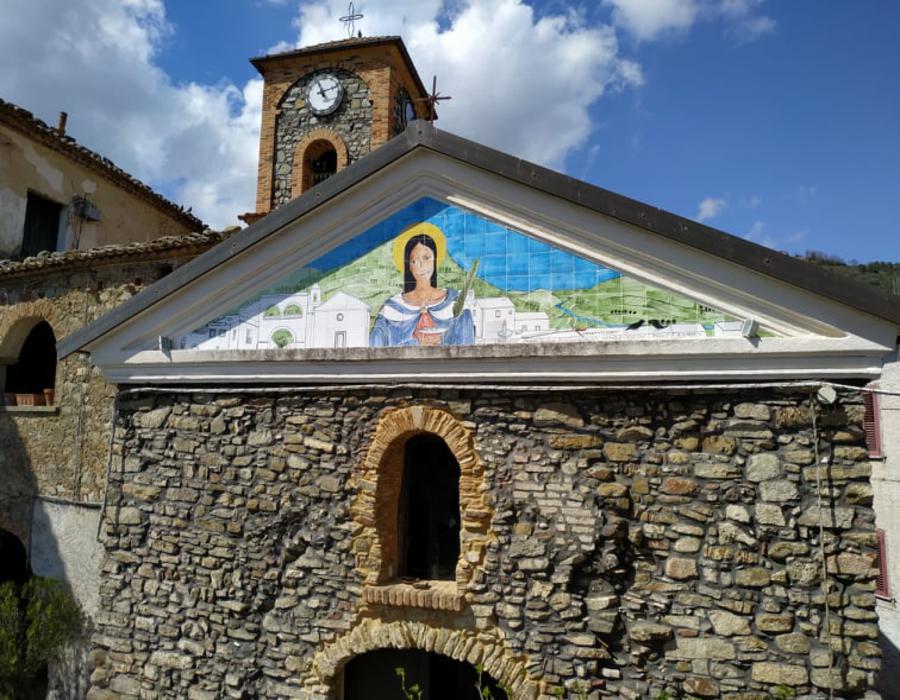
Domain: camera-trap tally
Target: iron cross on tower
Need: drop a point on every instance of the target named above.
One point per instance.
(432, 100)
(350, 20)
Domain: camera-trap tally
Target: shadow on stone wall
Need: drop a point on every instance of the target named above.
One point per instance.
(890, 667)
(20, 508)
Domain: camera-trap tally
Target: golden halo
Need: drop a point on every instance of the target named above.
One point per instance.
(423, 227)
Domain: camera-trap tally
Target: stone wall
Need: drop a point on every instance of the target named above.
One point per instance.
(634, 543)
(352, 121)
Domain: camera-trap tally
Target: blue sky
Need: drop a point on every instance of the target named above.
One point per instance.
(772, 120)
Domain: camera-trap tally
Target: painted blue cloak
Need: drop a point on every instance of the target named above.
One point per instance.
(396, 322)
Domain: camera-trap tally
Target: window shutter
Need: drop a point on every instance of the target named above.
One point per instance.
(872, 423)
(881, 583)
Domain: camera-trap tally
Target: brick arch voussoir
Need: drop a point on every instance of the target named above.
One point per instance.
(378, 487)
(468, 646)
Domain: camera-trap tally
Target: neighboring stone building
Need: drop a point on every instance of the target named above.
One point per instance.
(57, 195)
(617, 515)
(55, 445)
(78, 236)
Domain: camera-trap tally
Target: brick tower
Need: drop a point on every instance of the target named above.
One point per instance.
(327, 105)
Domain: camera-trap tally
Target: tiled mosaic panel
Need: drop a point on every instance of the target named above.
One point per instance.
(543, 294)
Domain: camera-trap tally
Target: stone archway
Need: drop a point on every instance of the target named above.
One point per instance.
(378, 482)
(484, 647)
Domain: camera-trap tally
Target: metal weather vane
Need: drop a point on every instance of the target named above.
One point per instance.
(350, 20)
(432, 100)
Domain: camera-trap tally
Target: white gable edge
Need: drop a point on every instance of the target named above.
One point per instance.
(641, 254)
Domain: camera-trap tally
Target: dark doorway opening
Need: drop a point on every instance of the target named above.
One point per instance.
(429, 510)
(35, 369)
(373, 676)
(13, 559)
(41, 225)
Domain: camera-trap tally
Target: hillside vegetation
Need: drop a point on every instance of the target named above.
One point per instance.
(884, 275)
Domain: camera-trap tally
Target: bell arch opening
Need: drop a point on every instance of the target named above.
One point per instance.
(385, 673)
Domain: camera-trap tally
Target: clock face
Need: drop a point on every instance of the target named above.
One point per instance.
(324, 94)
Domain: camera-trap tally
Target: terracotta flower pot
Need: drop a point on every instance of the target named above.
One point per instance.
(29, 399)
(49, 396)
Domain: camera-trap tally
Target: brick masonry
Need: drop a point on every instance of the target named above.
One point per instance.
(378, 72)
(632, 543)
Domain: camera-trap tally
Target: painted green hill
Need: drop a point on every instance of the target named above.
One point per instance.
(372, 278)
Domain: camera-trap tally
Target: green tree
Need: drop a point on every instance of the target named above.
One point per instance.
(37, 620)
(282, 337)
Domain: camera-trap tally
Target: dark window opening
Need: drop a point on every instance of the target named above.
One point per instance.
(41, 225)
(324, 166)
(35, 369)
(373, 676)
(320, 162)
(429, 510)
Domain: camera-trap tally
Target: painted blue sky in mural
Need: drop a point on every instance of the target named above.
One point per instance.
(507, 259)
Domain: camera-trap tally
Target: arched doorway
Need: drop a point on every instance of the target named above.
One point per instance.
(383, 675)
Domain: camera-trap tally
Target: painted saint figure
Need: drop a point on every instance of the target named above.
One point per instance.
(423, 314)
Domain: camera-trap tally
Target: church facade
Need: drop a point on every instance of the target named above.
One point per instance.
(442, 417)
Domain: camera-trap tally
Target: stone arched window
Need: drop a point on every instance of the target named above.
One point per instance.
(382, 543)
(31, 345)
(316, 158)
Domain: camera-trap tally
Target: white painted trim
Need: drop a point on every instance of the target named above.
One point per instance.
(677, 360)
(845, 342)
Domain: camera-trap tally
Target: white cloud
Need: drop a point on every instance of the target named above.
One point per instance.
(756, 230)
(647, 20)
(743, 21)
(521, 83)
(95, 60)
(710, 208)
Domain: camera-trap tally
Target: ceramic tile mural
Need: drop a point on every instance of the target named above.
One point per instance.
(435, 274)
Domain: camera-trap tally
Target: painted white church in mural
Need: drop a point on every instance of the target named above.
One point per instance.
(302, 321)
(299, 320)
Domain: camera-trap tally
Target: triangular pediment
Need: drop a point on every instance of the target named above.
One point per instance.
(525, 282)
(434, 273)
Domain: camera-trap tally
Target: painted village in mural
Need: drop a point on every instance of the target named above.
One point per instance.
(435, 274)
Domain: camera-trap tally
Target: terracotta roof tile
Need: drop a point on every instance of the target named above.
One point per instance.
(166, 246)
(25, 122)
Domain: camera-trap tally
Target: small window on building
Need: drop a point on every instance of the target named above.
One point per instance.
(882, 588)
(35, 369)
(429, 518)
(872, 423)
(41, 232)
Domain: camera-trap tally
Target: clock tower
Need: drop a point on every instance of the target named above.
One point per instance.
(327, 105)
